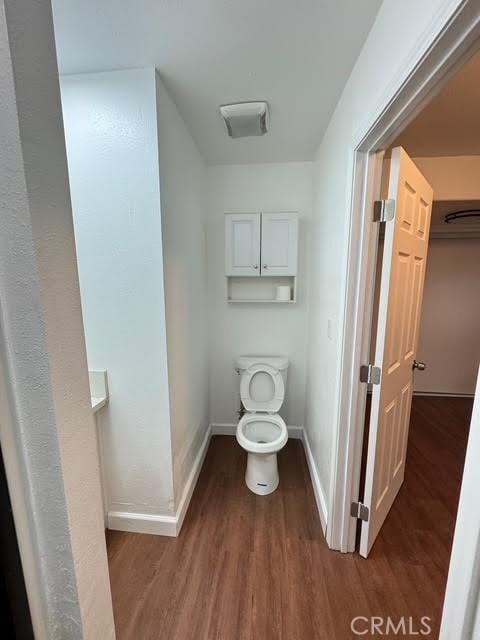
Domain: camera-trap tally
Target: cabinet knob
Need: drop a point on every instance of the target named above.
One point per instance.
(255, 266)
(265, 266)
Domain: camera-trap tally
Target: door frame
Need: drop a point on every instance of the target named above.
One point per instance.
(417, 83)
(461, 607)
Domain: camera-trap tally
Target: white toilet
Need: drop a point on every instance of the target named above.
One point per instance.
(261, 431)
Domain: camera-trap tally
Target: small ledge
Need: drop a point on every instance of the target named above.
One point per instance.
(98, 389)
(260, 300)
(260, 289)
(98, 403)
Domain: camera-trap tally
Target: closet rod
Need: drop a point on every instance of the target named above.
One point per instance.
(464, 213)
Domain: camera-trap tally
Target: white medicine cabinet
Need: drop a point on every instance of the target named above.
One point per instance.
(261, 252)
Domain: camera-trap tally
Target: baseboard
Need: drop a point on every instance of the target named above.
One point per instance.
(295, 432)
(230, 429)
(192, 481)
(317, 485)
(437, 394)
(443, 394)
(165, 525)
(142, 523)
(162, 525)
(298, 433)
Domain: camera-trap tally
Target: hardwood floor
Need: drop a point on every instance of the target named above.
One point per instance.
(257, 568)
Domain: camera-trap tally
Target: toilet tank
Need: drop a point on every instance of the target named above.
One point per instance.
(278, 362)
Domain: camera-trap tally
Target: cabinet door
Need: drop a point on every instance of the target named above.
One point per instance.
(242, 244)
(279, 244)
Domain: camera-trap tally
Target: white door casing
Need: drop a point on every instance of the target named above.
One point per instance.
(461, 611)
(279, 244)
(242, 244)
(400, 303)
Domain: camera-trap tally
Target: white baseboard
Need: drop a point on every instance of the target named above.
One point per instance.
(223, 429)
(230, 429)
(443, 394)
(437, 394)
(294, 432)
(192, 480)
(317, 485)
(142, 523)
(170, 525)
(162, 525)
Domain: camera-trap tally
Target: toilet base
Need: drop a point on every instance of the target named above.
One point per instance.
(261, 476)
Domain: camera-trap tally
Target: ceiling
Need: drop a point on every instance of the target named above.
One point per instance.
(443, 207)
(468, 227)
(296, 54)
(450, 124)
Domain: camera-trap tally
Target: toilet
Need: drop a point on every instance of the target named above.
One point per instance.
(261, 431)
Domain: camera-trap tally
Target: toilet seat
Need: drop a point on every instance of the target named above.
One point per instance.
(262, 432)
(271, 405)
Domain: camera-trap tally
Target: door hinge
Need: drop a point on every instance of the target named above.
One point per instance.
(359, 511)
(370, 374)
(383, 210)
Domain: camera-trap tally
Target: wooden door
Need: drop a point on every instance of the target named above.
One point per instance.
(242, 244)
(400, 304)
(279, 244)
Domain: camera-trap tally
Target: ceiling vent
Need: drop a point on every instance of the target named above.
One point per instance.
(245, 118)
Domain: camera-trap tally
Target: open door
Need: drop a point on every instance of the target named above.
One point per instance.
(400, 303)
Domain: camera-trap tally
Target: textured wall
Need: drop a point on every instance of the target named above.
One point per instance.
(182, 195)
(49, 430)
(243, 329)
(111, 133)
(395, 38)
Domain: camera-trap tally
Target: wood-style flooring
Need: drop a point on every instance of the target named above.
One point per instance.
(257, 568)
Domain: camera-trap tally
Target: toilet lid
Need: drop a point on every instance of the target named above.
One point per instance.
(265, 394)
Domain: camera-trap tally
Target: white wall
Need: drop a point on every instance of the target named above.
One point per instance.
(449, 341)
(183, 204)
(242, 329)
(47, 430)
(112, 150)
(452, 177)
(394, 38)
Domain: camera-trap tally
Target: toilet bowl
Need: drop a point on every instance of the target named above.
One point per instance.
(261, 431)
(262, 436)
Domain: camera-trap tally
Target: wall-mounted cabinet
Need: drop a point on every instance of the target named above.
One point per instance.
(242, 244)
(261, 246)
(279, 244)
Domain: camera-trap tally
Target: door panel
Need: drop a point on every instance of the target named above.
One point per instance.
(279, 244)
(242, 244)
(400, 303)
